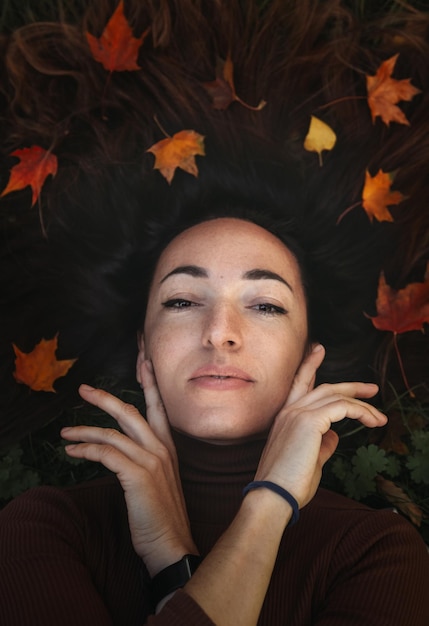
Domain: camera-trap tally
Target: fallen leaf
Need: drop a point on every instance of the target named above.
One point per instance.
(400, 499)
(320, 137)
(35, 165)
(39, 369)
(402, 310)
(178, 151)
(222, 89)
(377, 196)
(384, 92)
(117, 49)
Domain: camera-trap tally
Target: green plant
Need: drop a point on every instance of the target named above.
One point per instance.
(391, 472)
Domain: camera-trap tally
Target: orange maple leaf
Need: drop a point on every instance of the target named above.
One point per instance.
(384, 92)
(377, 196)
(117, 49)
(178, 151)
(403, 310)
(34, 167)
(39, 369)
(222, 89)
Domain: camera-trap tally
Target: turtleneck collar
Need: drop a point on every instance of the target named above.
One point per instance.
(213, 477)
(204, 461)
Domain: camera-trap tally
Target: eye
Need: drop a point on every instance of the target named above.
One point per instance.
(267, 308)
(178, 303)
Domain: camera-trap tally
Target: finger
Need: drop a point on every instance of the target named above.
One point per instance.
(155, 411)
(328, 390)
(335, 409)
(127, 415)
(109, 456)
(328, 446)
(111, 439)
(306, 374)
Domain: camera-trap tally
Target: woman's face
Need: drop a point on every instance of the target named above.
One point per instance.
(226, 329)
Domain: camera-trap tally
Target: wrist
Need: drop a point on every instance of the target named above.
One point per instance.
(173, 577)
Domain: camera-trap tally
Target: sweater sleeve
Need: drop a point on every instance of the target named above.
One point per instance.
(66, 558)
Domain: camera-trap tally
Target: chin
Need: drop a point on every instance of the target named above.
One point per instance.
(222, 432)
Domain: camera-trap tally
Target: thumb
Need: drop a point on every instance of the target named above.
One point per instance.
(306, 374)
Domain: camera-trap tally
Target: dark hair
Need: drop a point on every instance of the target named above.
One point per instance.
(79, 262)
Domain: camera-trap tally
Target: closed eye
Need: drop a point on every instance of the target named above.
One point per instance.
(267, 308)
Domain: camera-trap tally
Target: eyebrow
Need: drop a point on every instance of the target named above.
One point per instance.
(200, 272)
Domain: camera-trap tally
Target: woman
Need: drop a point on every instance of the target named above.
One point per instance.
(228, 374)
(229, 347)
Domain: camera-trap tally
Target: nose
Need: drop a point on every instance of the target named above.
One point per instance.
(222, 328)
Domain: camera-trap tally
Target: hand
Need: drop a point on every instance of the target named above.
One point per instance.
(301, 439)
(144, 459)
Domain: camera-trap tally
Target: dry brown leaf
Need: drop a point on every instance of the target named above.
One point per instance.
(222, 89)
(400, 499)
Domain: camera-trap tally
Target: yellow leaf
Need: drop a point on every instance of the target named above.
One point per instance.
(320, 137)
(39, 369)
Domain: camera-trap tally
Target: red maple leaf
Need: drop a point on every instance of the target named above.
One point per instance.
(384, 92)
(402, 310)
(117, 49)
(35, 165)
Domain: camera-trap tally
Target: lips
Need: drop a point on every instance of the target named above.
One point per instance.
(218, 376)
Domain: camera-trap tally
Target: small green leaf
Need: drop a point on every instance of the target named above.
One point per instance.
(369, 461)
(340, 469)
(418, 464)
(393, 466)
(420, 440)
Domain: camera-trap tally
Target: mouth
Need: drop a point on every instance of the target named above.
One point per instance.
(221, 373)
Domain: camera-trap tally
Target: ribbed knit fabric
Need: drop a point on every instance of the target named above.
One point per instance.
(66, 557)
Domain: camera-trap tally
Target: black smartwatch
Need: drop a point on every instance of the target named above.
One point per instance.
(174, 577)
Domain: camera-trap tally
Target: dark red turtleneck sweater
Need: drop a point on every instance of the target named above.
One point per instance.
(66, 556)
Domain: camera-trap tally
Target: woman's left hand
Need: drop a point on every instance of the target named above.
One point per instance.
(144, 459)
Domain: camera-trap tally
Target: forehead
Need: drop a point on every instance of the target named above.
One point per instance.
(225, 243)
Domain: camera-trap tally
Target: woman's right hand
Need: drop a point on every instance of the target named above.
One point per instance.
(143, 457)
(301, 439)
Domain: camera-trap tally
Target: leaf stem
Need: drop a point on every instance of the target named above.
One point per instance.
(338, 100)
(161, 128)
(401, 366)
(344, 213)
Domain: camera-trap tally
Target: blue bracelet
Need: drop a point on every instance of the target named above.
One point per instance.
(256, 484)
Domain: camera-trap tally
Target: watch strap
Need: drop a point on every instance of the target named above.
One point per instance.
(174, 577)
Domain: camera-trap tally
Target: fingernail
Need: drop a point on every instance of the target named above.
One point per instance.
(70, 447)
(318, 347)
(149, 365)
(85, 387)
(65, 429)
